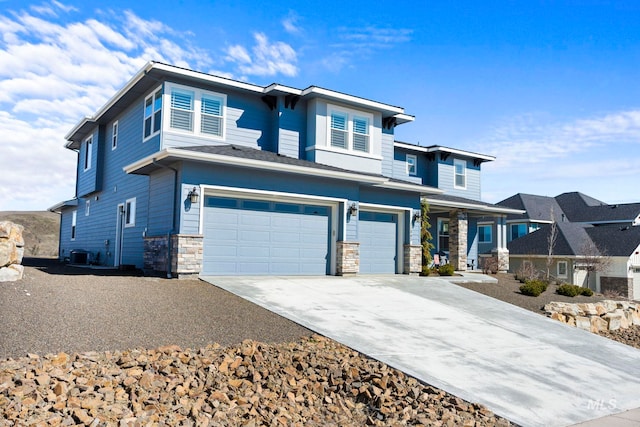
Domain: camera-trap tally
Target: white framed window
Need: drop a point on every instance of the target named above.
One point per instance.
(485, 233)
(114, 135)
(562, 269)
(88, 151)
(349, 130)
(443, 235)
(181, 110)
(130, 212)
(74, 218)
(412, 162)
(212, 119)
(152, 114)
(87, 207)
(460, 173)
(197, 112)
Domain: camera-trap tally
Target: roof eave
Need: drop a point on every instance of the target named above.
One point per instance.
(178, 155)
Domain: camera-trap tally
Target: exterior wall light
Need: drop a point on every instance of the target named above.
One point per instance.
(193, 195)
(417, 215)
(353, 209)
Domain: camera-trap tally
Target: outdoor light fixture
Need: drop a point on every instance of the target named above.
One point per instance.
(417, 215)
(193, 195)
(353, 209)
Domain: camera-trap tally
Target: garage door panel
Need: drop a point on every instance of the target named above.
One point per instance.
(377, 233)
(261, 238)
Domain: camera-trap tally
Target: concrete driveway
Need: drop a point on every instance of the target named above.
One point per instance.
(523, 366)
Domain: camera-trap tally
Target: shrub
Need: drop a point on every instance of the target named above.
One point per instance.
(587, 292)
(533, 288)
(446, 270)
(573, 290)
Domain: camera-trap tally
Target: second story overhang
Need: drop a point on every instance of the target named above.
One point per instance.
(445, 152)
(155, 73)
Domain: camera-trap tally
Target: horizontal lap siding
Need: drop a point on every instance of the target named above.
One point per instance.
(292, 131)
(248, 123)
(87, 179)
(161, 201)
(100, 225)
(387, 152)
(400, 167)
(446, 180)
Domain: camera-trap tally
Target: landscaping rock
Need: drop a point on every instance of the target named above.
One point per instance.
(593, 317)
(315, 382)
(11, 251)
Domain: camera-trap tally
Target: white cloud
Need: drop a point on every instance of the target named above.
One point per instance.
(51, 75)
(267, 59)
(290, 23)
(592, 155)
(356, 43)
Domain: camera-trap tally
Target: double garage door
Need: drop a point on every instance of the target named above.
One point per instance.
(261, 237)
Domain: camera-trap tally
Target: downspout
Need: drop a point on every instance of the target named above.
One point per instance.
(173, 213)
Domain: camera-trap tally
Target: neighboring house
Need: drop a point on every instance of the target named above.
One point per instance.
(186, 173)
(587, 229)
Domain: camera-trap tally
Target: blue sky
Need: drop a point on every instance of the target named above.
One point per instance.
(552, 89)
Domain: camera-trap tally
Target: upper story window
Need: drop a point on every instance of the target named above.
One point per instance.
(460, 173)
(412, 162)
(350, 130)
(152, 114)
(88, 149)
(114, 135)
(197, 111)
(484, 233)
(517, 230)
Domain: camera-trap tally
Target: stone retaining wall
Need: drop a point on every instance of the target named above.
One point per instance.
(11, 251)
(596, 317)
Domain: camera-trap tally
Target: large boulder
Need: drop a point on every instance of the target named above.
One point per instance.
(11, 251)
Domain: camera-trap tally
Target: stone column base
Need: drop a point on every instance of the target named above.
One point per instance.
(186, 255)
(412, 259)
(502, 257)
(347, 258)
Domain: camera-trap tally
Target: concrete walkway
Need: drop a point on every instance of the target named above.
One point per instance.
(530, 369)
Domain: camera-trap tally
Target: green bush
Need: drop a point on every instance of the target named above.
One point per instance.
(573, 290)
(446, 270)
(587, 292)
(533, 288)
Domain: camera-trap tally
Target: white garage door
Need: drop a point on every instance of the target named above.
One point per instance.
(259, 237)
(377, 233)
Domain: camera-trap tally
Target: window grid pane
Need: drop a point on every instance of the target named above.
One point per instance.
(211, 110)
(182, 111)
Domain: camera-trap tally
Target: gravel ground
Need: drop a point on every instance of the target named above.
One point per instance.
(508, 290)
(59, 308)
(103, 348)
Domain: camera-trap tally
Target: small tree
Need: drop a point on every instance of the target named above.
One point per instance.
(551, 243)
(594, 259)
(426, 239)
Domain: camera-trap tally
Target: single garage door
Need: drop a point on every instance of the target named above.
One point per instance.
(259, 237)
(636, 283)
(377, 233)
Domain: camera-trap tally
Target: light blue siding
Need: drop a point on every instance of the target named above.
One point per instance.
(248, 123)
(400, 166)
(94, 231)
(377, 233)
(446, 179)
(189, 212)
(292, 126)
(87, 179)
(161, 202)
(387, 151)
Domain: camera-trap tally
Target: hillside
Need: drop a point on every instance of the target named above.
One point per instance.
(41, 230)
